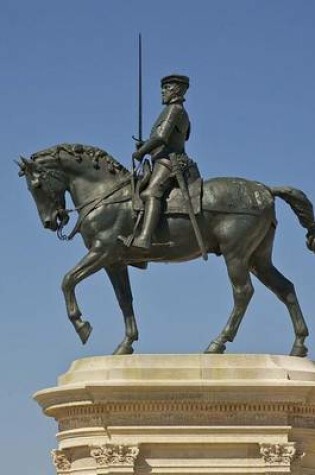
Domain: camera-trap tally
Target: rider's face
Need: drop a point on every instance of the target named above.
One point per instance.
(169, 91)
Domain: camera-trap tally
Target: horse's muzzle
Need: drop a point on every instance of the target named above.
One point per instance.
(47, 223)
(50, 224)
(50, 221)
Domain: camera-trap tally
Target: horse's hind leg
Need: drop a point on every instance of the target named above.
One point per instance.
(265, 271)
(120, 280)
(242, 292)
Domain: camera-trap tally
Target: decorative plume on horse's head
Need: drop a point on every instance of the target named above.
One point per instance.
(83, 154)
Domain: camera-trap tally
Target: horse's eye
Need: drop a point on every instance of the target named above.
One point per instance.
(36, 183)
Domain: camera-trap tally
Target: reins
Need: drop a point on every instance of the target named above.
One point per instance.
(91, 205)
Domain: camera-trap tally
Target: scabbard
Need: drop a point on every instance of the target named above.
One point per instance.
(187, 201)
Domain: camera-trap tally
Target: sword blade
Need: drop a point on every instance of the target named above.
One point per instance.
(140, 88)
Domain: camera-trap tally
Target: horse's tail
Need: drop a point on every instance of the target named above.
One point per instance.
(303, 209)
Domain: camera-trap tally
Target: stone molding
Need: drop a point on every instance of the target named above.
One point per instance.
(162, 405)
(280, 454)
(115, 454)
(61, 461)
(102, 413)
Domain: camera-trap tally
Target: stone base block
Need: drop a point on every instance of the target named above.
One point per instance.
(184, 414)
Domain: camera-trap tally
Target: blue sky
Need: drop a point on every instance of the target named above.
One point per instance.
(69, 74)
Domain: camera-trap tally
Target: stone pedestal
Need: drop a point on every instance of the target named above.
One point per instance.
(184, 414)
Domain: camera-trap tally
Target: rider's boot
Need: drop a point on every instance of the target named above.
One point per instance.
(151, 218)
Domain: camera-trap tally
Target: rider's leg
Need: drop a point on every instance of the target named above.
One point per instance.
(152, 196)
(151, 218)
(160, 180)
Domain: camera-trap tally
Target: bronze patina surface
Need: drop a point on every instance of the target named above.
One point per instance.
(236, 220)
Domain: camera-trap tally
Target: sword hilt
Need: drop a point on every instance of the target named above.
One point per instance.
(139, 142)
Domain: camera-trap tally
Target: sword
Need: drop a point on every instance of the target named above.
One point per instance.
(134, 169)
(187, 201)
(139, 138)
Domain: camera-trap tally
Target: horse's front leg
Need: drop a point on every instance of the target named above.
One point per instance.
(120, 280)
(90, 264)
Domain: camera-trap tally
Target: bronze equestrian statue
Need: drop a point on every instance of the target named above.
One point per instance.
(235, 216)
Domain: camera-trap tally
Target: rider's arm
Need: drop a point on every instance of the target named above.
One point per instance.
(149, 145)
(162, 132)
(170, 121)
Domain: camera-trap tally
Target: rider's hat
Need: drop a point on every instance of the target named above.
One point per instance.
(177, 78)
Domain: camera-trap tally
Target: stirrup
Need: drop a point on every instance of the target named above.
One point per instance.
(131, 240)
(141, 243)
(126, 240)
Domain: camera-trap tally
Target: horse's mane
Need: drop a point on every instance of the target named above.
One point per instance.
(79, 152)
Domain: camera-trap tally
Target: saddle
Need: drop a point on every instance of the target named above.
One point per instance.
(174, 202)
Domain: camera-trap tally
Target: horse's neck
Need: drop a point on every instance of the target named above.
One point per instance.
(84, 189)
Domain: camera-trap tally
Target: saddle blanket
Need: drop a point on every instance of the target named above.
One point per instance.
(174, 201)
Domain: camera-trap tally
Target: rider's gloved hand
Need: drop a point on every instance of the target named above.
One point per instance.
(139, 144)
(137, 155)
(63, 217)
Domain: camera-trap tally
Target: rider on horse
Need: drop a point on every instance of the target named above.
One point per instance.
(168, 136)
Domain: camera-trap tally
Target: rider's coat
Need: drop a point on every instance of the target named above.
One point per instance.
(173, 127)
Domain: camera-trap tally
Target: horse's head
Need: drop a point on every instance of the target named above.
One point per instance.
(47, 186)
(85, 171)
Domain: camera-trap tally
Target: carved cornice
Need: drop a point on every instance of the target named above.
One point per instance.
(178, 411)
(115, 454)
(187, 406)
(280, 454)
(60, 460)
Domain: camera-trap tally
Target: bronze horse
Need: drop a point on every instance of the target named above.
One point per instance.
(237, 221)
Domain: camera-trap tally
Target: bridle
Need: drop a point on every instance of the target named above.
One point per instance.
(46, 176)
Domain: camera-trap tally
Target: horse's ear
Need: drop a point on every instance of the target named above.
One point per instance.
(21, 167)
(26, 166)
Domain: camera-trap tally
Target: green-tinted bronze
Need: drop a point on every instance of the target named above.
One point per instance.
(237, 220)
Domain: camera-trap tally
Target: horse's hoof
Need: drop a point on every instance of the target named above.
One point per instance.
(299, 350)
(215, 348)
(85, 331)
(123, 349)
